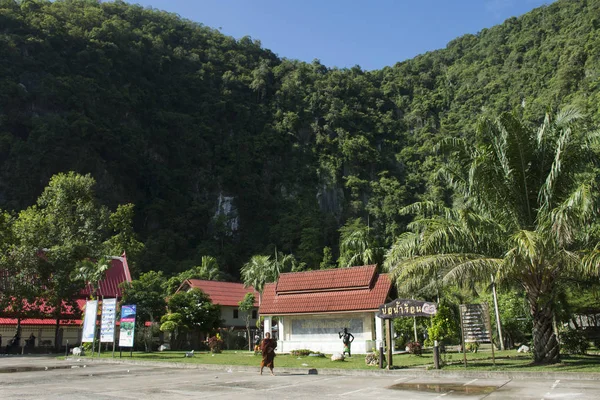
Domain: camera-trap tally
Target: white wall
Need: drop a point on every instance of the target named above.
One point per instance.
(227, 316)
(321, 332)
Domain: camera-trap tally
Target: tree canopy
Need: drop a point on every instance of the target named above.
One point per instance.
(228, 150)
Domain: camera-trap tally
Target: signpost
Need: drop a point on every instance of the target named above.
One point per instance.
(127, 326)
(475, 326)
(402, 308)
(107, 322)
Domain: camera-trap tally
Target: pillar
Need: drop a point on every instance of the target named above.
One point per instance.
(281, 329)
(268, 324)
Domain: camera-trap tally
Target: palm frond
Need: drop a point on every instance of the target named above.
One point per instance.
(477, 269)
(572, 213)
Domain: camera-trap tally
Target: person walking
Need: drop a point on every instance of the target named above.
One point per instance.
(268, 353)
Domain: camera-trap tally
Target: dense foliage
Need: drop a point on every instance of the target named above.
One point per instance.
(228, 150)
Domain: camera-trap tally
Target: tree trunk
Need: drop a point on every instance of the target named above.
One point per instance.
(546, 349)
(56, 335)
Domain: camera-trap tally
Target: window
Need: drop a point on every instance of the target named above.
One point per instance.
(236, 313)
(254, 314)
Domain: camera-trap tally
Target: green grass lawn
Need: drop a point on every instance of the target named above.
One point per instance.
(510, 361)
(507, 360)
(240, 357)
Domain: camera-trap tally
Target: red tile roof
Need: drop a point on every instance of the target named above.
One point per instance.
(222, 293)
(39, 321)
(328, 279)
(117, 273)
(306, 292)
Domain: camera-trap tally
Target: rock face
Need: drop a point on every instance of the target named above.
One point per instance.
(337, 357)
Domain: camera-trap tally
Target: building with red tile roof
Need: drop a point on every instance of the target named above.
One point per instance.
(43, 326)
(314, 306)
(227, 295)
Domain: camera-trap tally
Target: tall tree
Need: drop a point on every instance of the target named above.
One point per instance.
(259, 271)
(147, 293)
(65, 229)
(524, 199)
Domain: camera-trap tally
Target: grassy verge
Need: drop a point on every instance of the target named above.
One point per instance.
(505, 361)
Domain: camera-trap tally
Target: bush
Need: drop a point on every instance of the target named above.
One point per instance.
(300, 352)
(400, 342)
(215, 344)
(573, 341)
(414, 348)
(373, 358)
(473, 347)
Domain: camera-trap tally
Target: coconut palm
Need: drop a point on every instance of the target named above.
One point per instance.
(257, 272)
(523, 202)
(357, 246)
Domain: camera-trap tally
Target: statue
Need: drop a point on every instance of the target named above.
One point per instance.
(347, 339)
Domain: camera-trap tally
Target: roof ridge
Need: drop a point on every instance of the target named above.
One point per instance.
(328, 269)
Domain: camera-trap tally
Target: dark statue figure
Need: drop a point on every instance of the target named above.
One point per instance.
(347, 339)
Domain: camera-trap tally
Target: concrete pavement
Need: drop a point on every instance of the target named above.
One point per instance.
(48, 378)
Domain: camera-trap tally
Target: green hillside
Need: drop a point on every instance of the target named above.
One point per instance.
(228, 150)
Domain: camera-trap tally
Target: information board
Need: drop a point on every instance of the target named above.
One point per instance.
(407, 308)
(127, 325)
(475, 322)
(107, 324)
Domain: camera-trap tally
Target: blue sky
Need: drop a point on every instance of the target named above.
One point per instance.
(344, 33)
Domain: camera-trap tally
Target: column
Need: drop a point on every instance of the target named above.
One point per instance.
(378, 332)
(281, 329)
(268, 325)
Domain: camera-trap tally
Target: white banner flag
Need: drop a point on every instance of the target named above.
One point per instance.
(89, 322)
(107, 325)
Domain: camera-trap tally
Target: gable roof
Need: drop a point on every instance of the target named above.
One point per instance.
(337, 290)
(221, 293)
(117, 273)
(328, 280)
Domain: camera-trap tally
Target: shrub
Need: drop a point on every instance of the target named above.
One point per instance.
(414, 348)
(300, 352)
(573, 341)
(473, 347)
(373, 358)
(215, 344)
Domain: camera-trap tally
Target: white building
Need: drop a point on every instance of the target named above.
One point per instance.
(313, 307)
(227, 295)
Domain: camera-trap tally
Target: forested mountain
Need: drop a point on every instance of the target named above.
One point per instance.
(228, 150)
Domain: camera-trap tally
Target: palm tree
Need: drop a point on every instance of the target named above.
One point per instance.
(523, 202)
(259, 271)
(357, 246)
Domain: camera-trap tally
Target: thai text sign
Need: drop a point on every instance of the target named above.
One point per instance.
(475, 322)
(127, 326)
(107, 324)
(89, 321)
(407, 308)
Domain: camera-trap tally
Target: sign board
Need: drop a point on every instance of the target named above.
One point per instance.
(89, 321)
(127, 325)
(475, 322)
(107, 324)
(407, 308)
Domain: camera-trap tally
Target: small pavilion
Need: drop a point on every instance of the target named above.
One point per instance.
(312, 307)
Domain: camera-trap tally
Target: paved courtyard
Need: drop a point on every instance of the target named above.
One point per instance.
(71, 380)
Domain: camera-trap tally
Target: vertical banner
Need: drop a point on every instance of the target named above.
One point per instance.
(89, 322)
(107, 325)
(127, 326)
